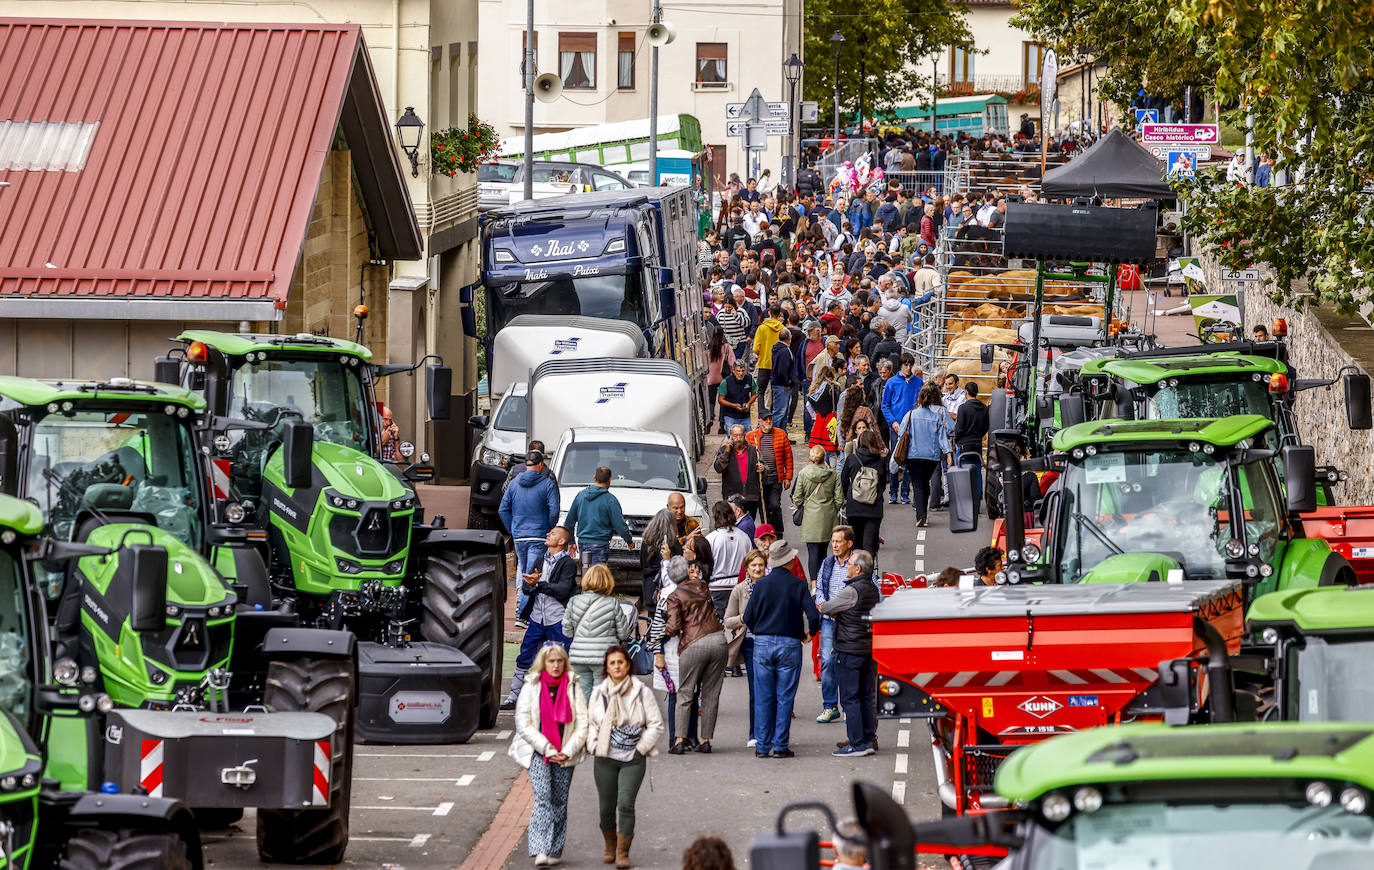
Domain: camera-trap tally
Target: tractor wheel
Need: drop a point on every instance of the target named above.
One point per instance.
(97, 849)
(312, 836)
(463, 608)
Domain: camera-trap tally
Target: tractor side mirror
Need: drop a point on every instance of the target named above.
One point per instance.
(986, 355)
(1178, 690)
(891, 840)
(148, 566)
(439, 390)
(1071, 409)
(297, 446)
(9, 457)
(963, 501)
(1124, 401)
(1357, 403)
(167, 370)
(701, 485)
(1300, 478)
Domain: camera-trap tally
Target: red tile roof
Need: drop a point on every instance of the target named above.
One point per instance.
(203, 172)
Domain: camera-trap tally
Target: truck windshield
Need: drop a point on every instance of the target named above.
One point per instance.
(117, 462)
(1331, 682)
(15, 680)
(616, 297)
(323, 391)
(1235, 836)
(1174, 502)
(1193, 398)
(638, 466)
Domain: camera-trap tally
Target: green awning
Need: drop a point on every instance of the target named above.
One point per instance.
(952, 106)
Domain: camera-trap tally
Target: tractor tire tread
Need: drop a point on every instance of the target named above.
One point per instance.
(102, 849)
(462, 608)
(316, 836)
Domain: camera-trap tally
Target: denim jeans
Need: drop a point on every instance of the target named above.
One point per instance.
(857, 678)
(732, 421)
(807, 418)
(782, 405)
(590, 554)
(901, 481)
(777, 669)
(746, 652)
(830, 693)
(529, 554)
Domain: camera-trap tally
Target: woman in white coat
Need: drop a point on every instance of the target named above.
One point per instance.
(550, 737)
(623, 729)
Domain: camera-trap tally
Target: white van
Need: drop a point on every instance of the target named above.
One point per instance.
(623, 393)
(531, 339)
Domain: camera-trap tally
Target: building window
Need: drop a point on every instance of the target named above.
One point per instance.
(961, 69)
(625, 62)
(577, 60)
(1032, 61)
(711, 63)
(523, 49)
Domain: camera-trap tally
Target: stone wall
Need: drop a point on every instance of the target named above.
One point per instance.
(1320, 343)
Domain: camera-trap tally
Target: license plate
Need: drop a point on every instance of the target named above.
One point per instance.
(618, 544)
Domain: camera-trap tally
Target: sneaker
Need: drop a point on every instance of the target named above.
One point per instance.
(751, 743)
(541, 860)
(852, 752)
(508, 704)
(921, 522)
(829, 714)
(892, 500)
(906, 499)
(784, 753)
(764, 754)
(521, 624)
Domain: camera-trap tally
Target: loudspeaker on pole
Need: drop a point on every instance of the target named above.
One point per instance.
(661, 33)
(548, 88)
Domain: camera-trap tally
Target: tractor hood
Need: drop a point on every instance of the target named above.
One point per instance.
(1133, 568)
(352, 473)
(1334, 609)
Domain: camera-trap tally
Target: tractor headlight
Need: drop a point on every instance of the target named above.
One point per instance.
(104, 703)
(336, 501)
(352, 504)
(348, 566)
(28, 780)
(214, 611)
(88, 675)
(424, 459)
(234, 513)
(406, 449)
(1087, 799)
(222, 443)
(8, 536)
(1266, 570)
(1013, 577)
(890, 687)
(183, 412)
(395, 567)
(65, 672)
(1354, 800)
(9, 783)
(1056, 808)
(1270, 635)
(1319, 794)
(1091, 450)
(173, 611)
(1030, 553)
(1078, 453)
(1234, 549)
(86, 703)
(1208, 449)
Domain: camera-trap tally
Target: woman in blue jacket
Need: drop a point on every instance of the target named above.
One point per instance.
(928, 424)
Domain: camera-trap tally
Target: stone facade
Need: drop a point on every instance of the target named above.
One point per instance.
(334, 273)
(1320, 343)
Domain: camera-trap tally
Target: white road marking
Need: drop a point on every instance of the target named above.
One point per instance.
(904, 721)
(466, 779)
(901, 763)
(443, 808)
(486, 756)
(415, 841)
(903, 739)
(503, 735)
(410, 809)
(418, 840)
(898, 791)
(477, 756)
(920, 566)
(454, 779)
(920, 534)
(920, 549)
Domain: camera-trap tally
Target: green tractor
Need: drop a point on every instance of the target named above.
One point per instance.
(344, 535)
(207, 693)
(1282, 795)
(42, 823)
(1166, 500)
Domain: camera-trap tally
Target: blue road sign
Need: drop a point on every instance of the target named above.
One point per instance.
(1146, 116)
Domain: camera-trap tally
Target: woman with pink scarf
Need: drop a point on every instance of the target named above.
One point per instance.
(550, 736)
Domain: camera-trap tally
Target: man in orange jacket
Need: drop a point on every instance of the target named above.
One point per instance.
(775, 452)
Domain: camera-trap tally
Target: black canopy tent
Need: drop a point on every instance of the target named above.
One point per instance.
(1116, 167)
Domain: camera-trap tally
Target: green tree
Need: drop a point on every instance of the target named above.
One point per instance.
(887, 46)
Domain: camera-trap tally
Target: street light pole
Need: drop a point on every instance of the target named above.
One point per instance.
(791, 70)
(934, 95)
(836, 40)
(529, 100)
(653, 104)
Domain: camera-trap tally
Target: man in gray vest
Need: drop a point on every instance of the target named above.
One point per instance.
(855, 672)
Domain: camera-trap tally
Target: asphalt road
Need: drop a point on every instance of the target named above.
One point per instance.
(426, 807)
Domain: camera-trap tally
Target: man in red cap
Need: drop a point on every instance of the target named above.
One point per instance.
(764, 536)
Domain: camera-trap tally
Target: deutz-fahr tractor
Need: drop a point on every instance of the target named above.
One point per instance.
(207, 692)
(44, 824)
(1161, 499)
(1255, 796)
(344, 536)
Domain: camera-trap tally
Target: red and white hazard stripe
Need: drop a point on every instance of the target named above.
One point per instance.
(219, 477)
(1105, 677)
(320, 796)
(150, 768)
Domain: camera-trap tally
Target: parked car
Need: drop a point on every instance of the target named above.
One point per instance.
(501, 182)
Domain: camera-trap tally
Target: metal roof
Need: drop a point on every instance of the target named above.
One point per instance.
(202, 173)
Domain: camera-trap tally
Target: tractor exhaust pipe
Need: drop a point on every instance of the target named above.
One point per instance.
(943, 787)
(1219, 690)
(1014, 522)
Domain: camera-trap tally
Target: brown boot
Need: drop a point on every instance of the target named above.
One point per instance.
(609, 855)
(622, 851)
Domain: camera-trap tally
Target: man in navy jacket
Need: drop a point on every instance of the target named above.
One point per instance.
(781, 614)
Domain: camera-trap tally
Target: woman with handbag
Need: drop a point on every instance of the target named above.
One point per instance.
(818, 497)
(667, 671)
(742, 639)
(922, 438)
(822, 400)
(550, 736)
(623, 728)
(659, 544)
(690, 616)
(594, 621)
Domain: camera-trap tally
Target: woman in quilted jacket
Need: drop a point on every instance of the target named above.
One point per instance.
(595, 620)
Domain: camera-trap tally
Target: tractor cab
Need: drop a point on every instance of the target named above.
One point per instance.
(1320, 642)
(1168, 500)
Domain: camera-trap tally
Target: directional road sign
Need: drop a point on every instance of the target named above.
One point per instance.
(1179, 134)
(778, 126)
(735, 128)
(767, 109)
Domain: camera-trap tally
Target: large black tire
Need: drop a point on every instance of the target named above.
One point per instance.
(98, 849)
(313, 836)
(463, 605)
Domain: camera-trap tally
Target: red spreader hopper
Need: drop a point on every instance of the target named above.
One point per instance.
(1017, 664)
(1350, 532)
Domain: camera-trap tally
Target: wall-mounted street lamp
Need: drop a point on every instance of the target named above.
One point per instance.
(409, 130)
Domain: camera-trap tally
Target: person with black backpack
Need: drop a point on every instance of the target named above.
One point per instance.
(863, 477)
